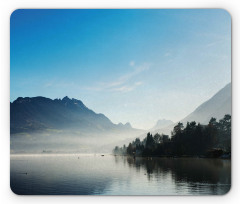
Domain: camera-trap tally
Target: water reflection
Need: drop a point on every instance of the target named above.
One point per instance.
(109, 175)
(208, 176)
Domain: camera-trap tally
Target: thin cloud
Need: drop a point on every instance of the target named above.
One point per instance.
(124, 83)
(138, 83)
(214, 43)
(121, 84)
(167, 54)
(129, 88)
(48, 85)
(132, 63)
(137, 70)
(123, 89)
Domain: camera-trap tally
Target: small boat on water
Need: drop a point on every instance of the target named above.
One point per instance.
(102, 155)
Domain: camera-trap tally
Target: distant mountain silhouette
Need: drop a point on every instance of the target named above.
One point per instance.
(162, 124)
(40, 123)
(40, 114)
(127, 125)
(217, 106)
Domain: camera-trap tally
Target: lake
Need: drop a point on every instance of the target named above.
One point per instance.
(87, 174)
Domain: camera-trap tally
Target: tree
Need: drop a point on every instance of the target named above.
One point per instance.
(150, 141)
(225, 124)
(192, 140)
(164, 138)
(130, 149)
(224, 135)
(213, 121)
(137, 142)
(157, 138)
(116, 150)
(178, 128)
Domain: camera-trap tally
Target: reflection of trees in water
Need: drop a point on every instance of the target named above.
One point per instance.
(208, 175)
(149, 165)
(202, 173)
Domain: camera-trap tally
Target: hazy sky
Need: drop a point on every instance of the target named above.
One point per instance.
(134, 66)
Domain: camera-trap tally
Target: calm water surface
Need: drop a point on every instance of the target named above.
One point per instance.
(110, 175)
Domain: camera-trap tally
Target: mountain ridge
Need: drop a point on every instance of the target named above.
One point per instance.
(38, 113)
(38, 123)
(216, 106)
(161, 124)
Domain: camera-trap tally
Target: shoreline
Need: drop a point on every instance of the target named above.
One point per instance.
(175, 157)
(114, 155)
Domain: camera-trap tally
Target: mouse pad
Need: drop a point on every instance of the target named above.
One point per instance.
(120, 102)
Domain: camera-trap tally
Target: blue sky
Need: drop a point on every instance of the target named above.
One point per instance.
(134, 66)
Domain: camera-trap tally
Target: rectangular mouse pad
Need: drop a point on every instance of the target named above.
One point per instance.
(120, 102)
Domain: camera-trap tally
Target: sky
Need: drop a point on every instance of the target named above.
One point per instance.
(134, 66)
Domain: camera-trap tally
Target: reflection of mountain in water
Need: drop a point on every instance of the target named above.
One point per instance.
(212, 176)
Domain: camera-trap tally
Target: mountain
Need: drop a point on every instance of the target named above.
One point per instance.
(162, 124)
(66, 124)
(217, 106)
(127, 125)
(40, 113)
(43, 123)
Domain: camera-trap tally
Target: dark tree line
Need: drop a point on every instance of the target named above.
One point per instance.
(191, 140)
